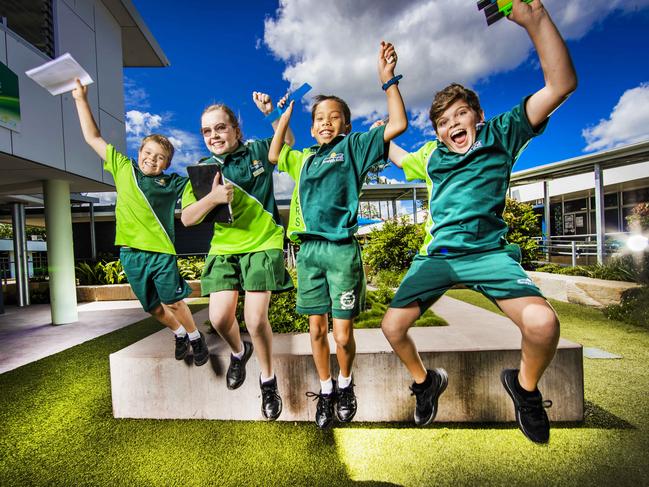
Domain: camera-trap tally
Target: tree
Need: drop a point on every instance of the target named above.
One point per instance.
(523, 227)
(393, 246)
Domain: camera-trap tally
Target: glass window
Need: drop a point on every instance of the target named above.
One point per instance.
(611, 223)
(610, 200)
(574, 205)
(635, 196)
(32, 20)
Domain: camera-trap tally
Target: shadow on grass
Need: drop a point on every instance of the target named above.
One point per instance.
(595, 417)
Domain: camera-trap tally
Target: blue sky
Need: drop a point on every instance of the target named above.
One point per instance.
(222, 52)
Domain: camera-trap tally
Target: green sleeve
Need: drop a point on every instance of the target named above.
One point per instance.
(115, 160)
(415, 164)
(290, 161)
(368, 148)
(188, 196)
(514, 130)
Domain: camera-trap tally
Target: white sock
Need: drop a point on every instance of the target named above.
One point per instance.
(326, 386)
(344, 382)
(267, 379)
(194, 335)
(180, 331)
(239, 355)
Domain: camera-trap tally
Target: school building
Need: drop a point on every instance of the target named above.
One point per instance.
(44, 160)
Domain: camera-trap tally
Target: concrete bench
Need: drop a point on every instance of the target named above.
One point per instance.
(147, 382)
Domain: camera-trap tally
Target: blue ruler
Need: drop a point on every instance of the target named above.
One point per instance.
(295, 95)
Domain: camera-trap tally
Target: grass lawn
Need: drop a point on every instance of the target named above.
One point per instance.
(56, 428)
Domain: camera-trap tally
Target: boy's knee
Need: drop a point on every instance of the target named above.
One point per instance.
(319, 330)
(344, 337)
(157, 311)
(256, 325)
(220, 322)
(542, 325)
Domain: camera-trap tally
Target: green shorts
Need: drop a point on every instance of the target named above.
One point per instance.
(495, 273)
(255, 271)
(153, 277)
(330, 279)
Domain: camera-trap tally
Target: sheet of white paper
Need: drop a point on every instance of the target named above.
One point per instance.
(57, 76)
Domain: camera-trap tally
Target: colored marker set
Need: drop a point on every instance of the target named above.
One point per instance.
(495, 10)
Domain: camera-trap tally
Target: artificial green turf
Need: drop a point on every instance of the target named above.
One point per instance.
(56, 428)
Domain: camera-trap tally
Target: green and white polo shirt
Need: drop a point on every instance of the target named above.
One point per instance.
(256, 224)
(144, 211)
(328, 181)
(466, 192)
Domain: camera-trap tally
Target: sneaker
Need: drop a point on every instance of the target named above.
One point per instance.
(427, 398)
(324, 414)
(346, 403)
(530, 411)
(182, 346)
(201, 352)
(271, 403)
(237, 370)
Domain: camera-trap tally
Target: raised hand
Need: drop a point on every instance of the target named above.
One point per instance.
(387, 61)
(526, 14)
(80, 92)
(263, 102)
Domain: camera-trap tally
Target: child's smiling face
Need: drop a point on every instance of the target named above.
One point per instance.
(329, 122)
(219, 133)
(152, 158)
(456, 127)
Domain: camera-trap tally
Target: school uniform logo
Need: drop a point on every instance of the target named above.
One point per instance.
(257, 168)
(347, 300)
(527, 282)
(333, 158)
(161, 182)
(475, 146)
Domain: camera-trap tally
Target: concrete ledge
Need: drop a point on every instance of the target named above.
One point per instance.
(147, 382)
(580, 290)
(120, 292)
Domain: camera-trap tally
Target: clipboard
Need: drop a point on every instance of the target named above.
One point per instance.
(201, 177)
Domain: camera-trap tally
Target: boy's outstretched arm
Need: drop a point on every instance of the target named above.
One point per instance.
(89, 127)
(395, 152)
(265, 105)
(280, 134)
(558, 70)
(220, 193)
(397, 118)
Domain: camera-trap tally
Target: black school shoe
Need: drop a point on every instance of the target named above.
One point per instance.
(427, 395)
(271, 403)
(530, 411)
(182, 346)
(200, 350)
(346, 403)
(237, 370)
(324, 415)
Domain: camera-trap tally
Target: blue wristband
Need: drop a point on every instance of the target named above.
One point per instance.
(393, 81)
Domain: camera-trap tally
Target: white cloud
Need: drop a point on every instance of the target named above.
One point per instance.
(140, 124)
(283, 185)
(628, 122)
(438, 41)
(106, 198)
(134, 96)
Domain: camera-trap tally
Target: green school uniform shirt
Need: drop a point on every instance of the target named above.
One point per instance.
(466, 192)
(328, 181)
(256, 224)
(145, 207)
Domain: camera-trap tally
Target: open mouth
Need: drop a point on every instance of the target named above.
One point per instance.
(459, 136)
(326, 134)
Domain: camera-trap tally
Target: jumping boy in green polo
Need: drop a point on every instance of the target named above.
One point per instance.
(144, 214)
(324, 208)
(467, 172)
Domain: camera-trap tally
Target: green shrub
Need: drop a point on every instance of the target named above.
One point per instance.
(623, 268)
(376, 305)
(100, 273)
(523, 227)
(191, 267)
(388, 278)
(632, 308)
(393, 246)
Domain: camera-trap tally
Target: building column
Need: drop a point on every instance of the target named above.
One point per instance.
(414, 205)
(547, 217)
(599, 212)
(20, 254)
(93, 241)
(394, 209)
(60, 252)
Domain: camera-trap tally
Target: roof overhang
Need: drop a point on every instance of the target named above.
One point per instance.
(618, 157)
(139, 47)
